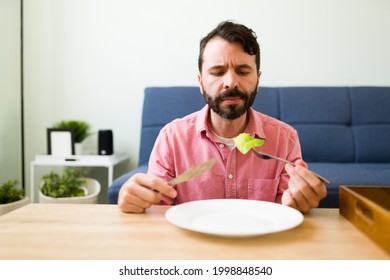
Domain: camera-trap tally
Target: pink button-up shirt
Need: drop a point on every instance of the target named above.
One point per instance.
(189, 141)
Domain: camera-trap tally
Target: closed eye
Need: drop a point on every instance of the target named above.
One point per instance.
(243, 70)
(217, 71)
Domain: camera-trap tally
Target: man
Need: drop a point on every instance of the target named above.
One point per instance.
(229, 74)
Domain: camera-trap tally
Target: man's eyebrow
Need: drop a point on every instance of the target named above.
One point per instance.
(219, 67)
(244, 66)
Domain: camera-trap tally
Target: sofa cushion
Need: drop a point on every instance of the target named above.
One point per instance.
(326, 142)
(322, 118)
(315, 105)
(371, 123)
(162, 105)
(370, 105)
(267, 102)
(372, 142)
(369, 174)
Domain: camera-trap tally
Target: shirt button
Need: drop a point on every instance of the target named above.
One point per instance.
(230, 176)
(222, 146)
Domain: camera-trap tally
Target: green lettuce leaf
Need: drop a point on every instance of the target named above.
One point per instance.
(244, 142)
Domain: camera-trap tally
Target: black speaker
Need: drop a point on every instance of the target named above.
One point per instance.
(106, 146)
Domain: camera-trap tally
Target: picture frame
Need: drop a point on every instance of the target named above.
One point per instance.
(60, 142)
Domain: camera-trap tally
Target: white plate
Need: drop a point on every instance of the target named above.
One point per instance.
(234, 217)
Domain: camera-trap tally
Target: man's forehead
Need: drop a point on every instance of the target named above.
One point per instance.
(219, 52)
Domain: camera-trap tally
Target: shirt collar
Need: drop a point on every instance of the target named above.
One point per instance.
(253, 128)
(255, 125)
(202, 124)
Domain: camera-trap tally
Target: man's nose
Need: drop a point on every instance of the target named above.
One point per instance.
(230, 80)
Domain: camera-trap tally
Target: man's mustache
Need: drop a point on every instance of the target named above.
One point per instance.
(231, 93)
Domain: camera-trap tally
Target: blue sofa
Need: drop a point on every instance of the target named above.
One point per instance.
(344, 131)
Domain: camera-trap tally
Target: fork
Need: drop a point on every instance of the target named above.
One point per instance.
(268, 156)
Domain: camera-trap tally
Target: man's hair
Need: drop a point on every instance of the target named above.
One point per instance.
(233, 33)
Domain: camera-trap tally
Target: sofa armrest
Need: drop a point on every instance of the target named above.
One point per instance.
(113, 190)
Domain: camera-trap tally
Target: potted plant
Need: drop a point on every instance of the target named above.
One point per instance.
(81, 130)
(11, 197)
(69, 187)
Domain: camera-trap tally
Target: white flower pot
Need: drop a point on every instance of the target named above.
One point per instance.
(78, 148)
(5, 208)
(93, 190)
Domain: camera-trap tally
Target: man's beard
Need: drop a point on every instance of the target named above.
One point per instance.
(233, 111)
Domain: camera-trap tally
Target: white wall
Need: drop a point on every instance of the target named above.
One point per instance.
(10, 101)
(91, 59)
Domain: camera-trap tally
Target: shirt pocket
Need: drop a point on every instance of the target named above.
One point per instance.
(263, 189)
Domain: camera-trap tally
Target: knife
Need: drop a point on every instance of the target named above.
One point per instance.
(192, 172)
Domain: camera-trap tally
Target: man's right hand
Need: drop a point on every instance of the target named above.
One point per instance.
(142, 191)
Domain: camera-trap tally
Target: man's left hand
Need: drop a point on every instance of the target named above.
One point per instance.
(305, 189)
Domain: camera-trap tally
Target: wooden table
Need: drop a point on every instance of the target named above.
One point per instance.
(54, 231)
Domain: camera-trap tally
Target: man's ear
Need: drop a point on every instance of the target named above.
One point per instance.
(200, 83)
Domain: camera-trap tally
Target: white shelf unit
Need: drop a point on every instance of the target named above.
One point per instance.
(108, 161)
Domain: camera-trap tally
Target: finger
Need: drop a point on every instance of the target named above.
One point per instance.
(315, 183)
(141, 192)
(298, 196)
(304, 196)
(311, 179)
(130, 208)
(131, 199)
(288, 200)
(127, 202)
(144, 197)
(298, 180)
(156, 184)
(134, 197)
(304, 180)
(301, 163)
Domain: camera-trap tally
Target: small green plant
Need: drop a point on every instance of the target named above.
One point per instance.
(81, 129)
(66, 185)
(10, 192)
